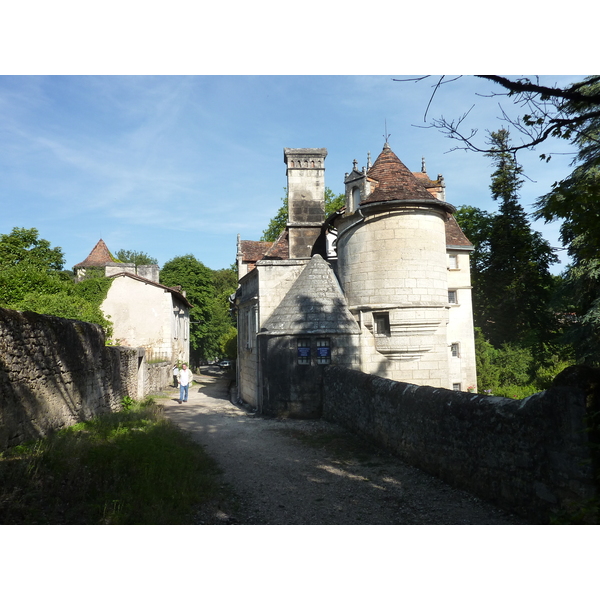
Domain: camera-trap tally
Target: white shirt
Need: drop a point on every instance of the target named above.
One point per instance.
(185, 376)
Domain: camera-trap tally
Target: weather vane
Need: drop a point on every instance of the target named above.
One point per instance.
(386, 136)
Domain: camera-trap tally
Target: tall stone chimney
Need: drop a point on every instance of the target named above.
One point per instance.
(306, 197)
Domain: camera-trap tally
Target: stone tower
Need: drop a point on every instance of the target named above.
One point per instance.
(392, 266)
(306, 198)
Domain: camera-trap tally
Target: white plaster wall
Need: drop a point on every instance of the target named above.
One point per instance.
(142, 316)
(463, 369)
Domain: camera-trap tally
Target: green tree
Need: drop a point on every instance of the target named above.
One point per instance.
(68, 305)
(225, 282)
(31, 279)
(23, 246)
(27, 264)
(515, 281)
(576, 201)
(135, 257)
(278, 223)
(333, 202)
(207, 321)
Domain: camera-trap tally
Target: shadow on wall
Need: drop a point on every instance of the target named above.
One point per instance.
(53, 372)
(295, 350)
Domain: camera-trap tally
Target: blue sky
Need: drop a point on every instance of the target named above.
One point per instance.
(174, 165)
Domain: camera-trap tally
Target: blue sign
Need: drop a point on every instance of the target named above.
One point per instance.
(324, 352)
(304, 352)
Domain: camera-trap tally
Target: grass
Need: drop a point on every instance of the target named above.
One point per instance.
(125, 468)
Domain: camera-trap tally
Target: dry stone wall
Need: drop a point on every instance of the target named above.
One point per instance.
(529, 456)
(55, 372)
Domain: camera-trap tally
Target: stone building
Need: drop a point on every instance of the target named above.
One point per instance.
(144, 313)
(382, 286)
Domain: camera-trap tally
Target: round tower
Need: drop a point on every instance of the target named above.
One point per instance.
(392, 266)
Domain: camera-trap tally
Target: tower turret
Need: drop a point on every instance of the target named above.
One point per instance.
(392, 267)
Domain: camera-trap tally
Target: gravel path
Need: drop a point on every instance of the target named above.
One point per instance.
(285, 471)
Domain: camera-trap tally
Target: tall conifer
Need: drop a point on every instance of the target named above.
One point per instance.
(516, 280)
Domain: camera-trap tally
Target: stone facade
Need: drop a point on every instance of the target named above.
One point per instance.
(400, 262)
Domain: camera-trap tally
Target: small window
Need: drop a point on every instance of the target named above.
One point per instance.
(304, 351)
(452, 299)
(250, 328)
(455, 350)
(323, 351)
(452, 261)
(355, 198)
(456, 387)
(381, 322)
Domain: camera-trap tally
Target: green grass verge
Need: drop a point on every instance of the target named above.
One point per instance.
(130, 467)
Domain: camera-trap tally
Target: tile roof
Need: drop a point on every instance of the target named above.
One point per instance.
(252, 252)
(426, 181)
(454, 234)
(98, 257)
(394, 180)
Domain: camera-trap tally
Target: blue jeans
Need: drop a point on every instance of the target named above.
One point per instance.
(183, 393)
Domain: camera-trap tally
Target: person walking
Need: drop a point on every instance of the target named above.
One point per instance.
(175, 375)
(185, 379)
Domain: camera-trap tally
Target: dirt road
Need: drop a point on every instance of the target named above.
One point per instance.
(312, 472)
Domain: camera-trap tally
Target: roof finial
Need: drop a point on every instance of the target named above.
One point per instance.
(386, 136)
(355, 163)
(423, 168)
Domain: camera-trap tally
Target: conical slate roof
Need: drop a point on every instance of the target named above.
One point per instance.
(394, 180)
(314, 304)
(98, 257)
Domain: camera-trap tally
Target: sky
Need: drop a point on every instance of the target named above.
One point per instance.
(181, 164)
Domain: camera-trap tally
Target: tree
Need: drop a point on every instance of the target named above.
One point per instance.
(514, 280)
(576, 200)
(476, 225)
(548, 111)
(23, 246)
(206, 319)
(279, 222)
(135, 257)
(31, 279)
(67, 304)
(27, 264)
(225, 282)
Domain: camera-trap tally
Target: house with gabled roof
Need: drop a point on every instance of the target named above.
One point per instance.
(145, 313)
(389, 295)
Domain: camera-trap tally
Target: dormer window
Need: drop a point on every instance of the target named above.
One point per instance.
(355, 198)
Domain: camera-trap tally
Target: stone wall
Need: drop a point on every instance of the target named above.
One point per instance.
(157, 376)
(529, 456)
(55, 372)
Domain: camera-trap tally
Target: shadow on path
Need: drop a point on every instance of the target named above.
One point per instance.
(285, 471)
